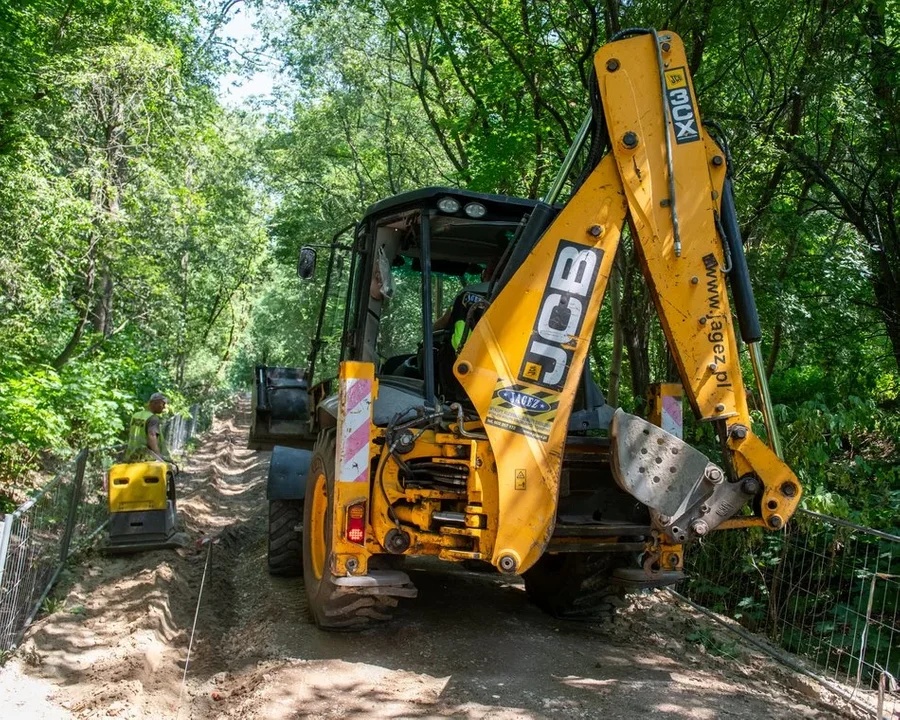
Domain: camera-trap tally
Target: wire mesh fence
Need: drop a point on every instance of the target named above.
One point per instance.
(179, 429)
(65, 517)
(33, 545)
(824, 589)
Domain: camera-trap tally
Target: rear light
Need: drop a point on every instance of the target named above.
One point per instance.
(356, 523)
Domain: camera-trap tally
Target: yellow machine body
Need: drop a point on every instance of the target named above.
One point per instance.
(688, 290)
(141, 508)
(531, 344)
(137, 486)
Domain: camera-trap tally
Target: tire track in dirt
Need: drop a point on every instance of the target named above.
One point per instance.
(118, 648)
(471, 646)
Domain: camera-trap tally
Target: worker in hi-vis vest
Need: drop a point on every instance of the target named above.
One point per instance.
(455, 317)
(145, 439)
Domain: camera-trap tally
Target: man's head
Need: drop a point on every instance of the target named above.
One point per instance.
(157, 403)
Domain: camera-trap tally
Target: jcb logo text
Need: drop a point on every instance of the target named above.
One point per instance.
(561, 315)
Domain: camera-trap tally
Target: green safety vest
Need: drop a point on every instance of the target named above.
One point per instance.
(138, 449)
(468, 297)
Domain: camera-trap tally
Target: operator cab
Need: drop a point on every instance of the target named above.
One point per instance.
(414, 254)
(436, 238)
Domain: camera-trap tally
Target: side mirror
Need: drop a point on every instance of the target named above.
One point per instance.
(306, 264)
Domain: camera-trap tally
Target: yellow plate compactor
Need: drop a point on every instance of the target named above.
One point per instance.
(142, 508)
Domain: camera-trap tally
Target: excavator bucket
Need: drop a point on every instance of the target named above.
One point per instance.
(687, 495)
(141, 509)
(280, 407)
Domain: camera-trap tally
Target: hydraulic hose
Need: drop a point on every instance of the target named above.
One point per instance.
(744, 301)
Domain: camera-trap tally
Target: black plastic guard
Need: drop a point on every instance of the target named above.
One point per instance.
(288, 469)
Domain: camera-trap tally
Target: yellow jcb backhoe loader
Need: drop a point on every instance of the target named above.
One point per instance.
(497, 445)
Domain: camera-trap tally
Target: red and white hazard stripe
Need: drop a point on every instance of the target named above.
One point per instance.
(354, 422)
(672, 421)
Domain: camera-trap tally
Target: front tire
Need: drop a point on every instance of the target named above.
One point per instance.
(575, 586)
(330, 606)
(285, 553)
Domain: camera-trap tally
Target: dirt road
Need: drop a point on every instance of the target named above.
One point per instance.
(470, 646)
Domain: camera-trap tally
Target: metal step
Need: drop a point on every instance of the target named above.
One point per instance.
(378, 582)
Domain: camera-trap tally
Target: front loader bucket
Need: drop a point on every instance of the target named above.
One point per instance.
(280, 408)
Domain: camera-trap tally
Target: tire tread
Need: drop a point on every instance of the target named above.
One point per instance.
(285, 549)
(576, 586)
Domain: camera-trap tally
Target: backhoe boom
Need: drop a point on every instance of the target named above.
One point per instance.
(665, 176)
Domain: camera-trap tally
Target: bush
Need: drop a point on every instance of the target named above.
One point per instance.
(47, 414)
(846, 456)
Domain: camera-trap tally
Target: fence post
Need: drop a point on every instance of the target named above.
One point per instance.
(775, 589)
(80, 465)
(5, 530)
(864, 638)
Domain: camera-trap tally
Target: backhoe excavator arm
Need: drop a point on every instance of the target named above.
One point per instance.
(666, 177)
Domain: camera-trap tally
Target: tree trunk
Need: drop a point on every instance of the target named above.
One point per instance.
(864, 181)
(615, 363)
(887, 296)
(611, 18)
(635, 317)
(90, 275)
(181, 360)
(101, 317)
(884, 65)
(69, 349)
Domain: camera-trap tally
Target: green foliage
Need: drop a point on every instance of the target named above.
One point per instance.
(132, 217)
(282, 323)
(52, 605)
(395, 94)
(712, 643)
(150, 235)
(846, 456)
(809, 589)
(84, 404)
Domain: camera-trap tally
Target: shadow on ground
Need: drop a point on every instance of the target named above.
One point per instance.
(470, 646)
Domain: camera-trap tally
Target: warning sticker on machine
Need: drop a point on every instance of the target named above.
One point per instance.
(523, 410)
(521, 478)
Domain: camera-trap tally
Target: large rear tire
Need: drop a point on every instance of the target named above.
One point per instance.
(575, 586)
(285, 552)
(331, 607)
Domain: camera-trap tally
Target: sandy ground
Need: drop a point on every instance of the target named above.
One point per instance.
(470, 646)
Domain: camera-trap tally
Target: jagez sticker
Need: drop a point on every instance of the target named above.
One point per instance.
(523, 410)
(681, 105)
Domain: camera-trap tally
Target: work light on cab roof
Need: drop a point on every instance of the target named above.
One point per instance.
(448, 205)
(475, 210)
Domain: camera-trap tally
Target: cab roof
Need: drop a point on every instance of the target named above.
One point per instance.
(427, 197)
